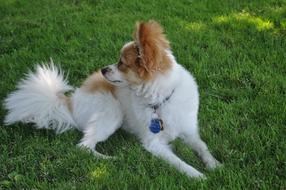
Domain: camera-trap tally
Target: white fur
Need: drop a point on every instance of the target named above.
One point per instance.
(179, 115)
(100, 114)
(38, 100)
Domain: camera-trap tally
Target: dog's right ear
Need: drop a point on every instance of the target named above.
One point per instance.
(151, 44)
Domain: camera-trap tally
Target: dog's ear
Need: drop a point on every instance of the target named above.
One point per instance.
(151, 44)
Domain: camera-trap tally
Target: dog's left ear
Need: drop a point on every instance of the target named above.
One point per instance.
(151, 45)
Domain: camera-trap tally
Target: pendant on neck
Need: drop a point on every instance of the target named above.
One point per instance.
(156, 124)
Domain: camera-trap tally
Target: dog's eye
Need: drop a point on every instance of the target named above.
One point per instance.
(119, 63)
(121, 66)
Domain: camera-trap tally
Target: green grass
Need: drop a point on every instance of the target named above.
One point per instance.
(235, 49)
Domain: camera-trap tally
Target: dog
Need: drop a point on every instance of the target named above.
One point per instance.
(146, 92)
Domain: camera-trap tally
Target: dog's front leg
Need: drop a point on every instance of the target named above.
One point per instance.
(201, 148)
(164, 151)
(190, 135)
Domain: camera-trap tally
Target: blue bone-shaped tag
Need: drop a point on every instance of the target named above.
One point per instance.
(156, 125)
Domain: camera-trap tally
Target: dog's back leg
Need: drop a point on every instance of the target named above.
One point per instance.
(99, 127)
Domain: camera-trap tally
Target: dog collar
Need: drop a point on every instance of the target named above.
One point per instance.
(156, 124)
(158, 105)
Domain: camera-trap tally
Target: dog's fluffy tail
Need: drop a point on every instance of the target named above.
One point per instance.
(40, 99)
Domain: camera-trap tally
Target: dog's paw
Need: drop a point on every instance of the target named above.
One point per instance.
(213, 164)
(200, 177)
(196, 175)
(102, 156)
(94, 152)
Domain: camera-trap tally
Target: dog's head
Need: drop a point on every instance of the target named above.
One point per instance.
(142, 59)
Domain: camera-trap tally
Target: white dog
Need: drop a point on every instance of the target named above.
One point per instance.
(147, 93)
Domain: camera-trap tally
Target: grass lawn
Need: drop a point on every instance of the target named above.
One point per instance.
(236, 49)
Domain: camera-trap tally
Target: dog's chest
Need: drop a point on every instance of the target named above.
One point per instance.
(138, 117)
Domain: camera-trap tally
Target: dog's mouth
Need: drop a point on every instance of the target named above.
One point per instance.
(115, 81)
(112, 81)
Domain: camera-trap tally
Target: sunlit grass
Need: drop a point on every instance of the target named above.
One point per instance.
(195, 26)
(283, 25)
(100, 172)
(245, 19)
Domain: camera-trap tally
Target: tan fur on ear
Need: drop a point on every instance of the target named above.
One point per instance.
(152, 44)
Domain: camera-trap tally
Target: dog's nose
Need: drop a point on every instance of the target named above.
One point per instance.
(105, 70)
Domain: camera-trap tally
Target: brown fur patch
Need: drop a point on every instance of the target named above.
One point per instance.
(152, 44)
(96, 82)
(128, 58)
